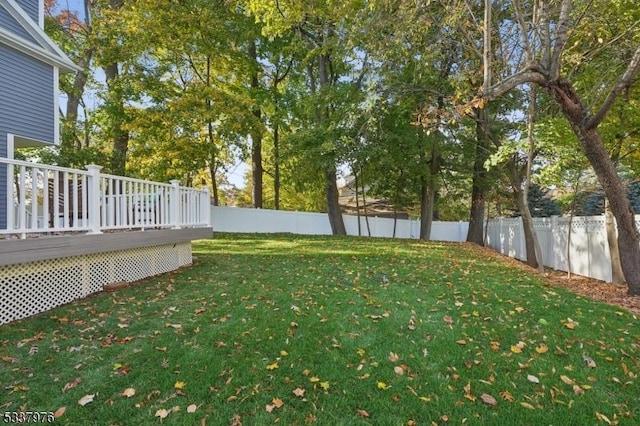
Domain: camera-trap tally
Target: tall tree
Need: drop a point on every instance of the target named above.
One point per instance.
(544, 32)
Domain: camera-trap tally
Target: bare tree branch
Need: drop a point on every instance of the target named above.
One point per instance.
(623, 83)
(486, 54)
(529, 54)
(527, 75)
(562, 35)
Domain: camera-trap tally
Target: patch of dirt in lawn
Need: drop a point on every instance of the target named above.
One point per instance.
(613, 294)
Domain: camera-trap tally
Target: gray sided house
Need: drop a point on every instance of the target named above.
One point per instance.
(30, 64)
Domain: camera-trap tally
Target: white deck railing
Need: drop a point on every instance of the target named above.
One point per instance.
(43, 198)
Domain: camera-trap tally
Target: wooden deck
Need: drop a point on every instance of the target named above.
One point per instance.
(51, 247)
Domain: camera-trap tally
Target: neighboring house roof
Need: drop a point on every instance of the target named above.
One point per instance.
(40, 46)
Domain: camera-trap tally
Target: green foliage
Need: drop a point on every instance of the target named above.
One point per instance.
(188, 89)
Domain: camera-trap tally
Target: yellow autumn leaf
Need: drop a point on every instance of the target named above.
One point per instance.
(179, 385)
(324, 385)
(284, 353)
(272, 366)
(314, 379)
(382, 385)
(542, 348)
(527, 405)
(361, 352)
(516, 349)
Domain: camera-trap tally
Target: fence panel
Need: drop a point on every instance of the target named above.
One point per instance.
(582, 244)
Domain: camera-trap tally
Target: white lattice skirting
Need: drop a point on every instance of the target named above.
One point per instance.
(30, 288)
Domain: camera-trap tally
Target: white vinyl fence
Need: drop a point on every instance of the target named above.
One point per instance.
(588, 252)
(236, 219)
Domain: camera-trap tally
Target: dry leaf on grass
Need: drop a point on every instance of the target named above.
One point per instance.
(86, 399)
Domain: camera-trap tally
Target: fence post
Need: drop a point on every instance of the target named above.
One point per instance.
(205, 209)
(174, 203)
(93, 194)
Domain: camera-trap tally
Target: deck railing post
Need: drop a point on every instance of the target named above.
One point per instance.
(174, 203)
(93, 195)
(205, 207)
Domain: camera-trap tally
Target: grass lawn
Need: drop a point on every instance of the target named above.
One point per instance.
(296, 330)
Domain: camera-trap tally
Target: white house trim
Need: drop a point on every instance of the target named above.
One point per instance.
(45, 49)
(35, 51)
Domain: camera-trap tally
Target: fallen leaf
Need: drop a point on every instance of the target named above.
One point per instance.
(566, 380)
(398, 370)
(527, 405)
(603, 418)
(324, 385)
(314, 379)
(175, 327)
(447, 319)
(362, 413)
(542, 348)
(128, 392)
(299, 392)
(488, 399)
(59, 412)
(506, 395)
(516, 349)
(461, 342)
(589, 362)
(179, 385)
(272, 366)
(393, 357)
(192, 408)
(578, 390)
(382, 385)
(162, 413)
(532, 378)
(10, 359)
(361, 352)
(277, 402)
(86, 399)
(269, 408)
(495, 346)
(72, 384)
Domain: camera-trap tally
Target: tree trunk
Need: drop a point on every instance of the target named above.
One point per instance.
(428, 194)
(116, 99)
(74, 98)
(333, 208)
(276, 163)
(614, 189)
(478, 187)
(120, 136)
(617, 276)
(355, 177)
(256, 134)
(214, 184)
(527, 226)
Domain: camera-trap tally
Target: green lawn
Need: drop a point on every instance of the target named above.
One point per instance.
(295, 330)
